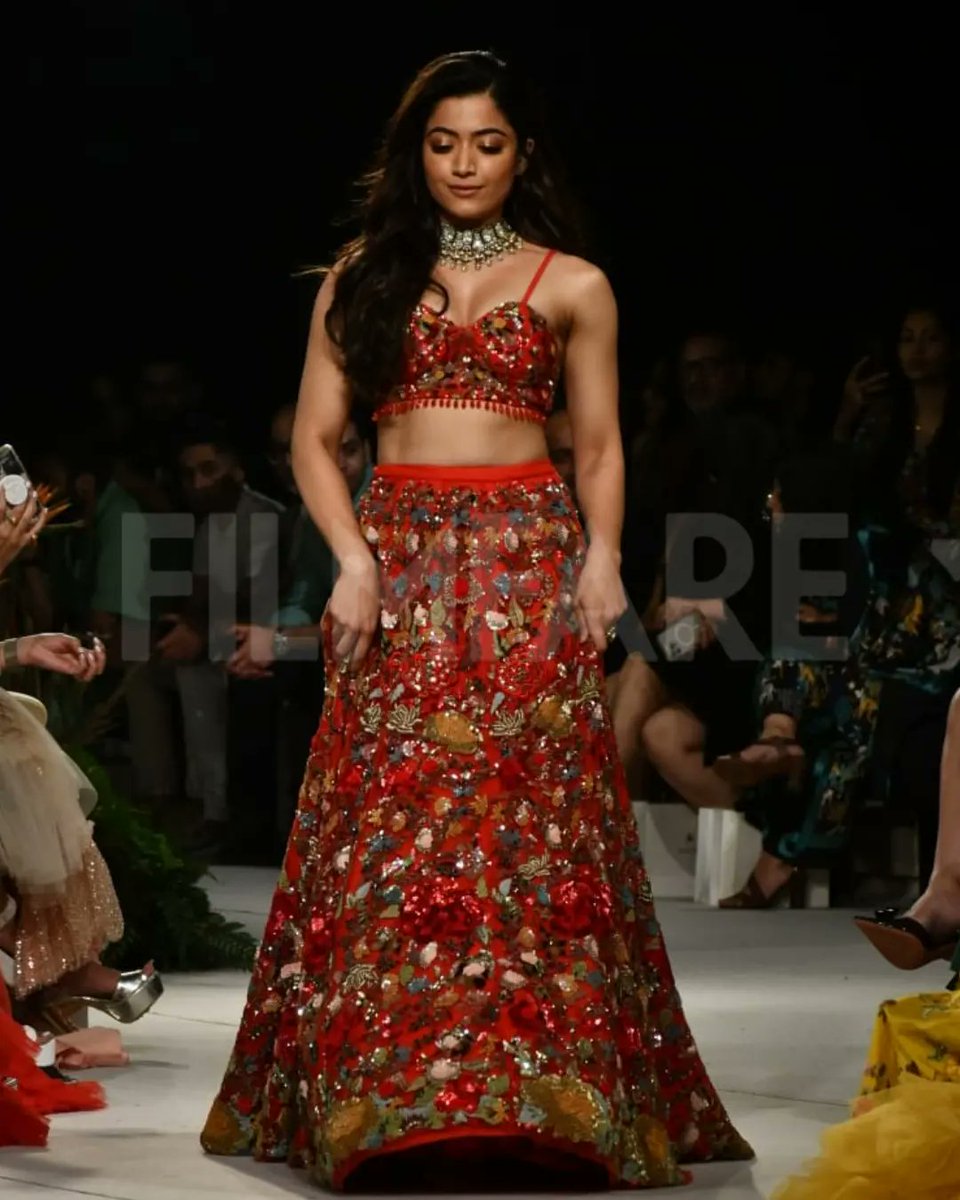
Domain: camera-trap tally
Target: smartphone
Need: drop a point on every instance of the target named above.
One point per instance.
(679, 641)
(14, 481)
(873, 366)
(877, 361)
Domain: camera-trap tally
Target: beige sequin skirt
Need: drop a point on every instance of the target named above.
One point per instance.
(66, 908)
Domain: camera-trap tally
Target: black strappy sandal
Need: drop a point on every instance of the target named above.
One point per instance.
(904, 942)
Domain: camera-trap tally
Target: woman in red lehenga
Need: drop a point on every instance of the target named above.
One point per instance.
(462, 962)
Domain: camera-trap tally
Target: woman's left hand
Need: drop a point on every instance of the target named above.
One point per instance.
(62, 653)
(601, 600)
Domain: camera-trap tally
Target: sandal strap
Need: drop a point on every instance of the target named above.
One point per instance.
(890, 918)
(753, 891)
(751, 895)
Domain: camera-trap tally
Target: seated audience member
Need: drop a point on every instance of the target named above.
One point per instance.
(287, 646)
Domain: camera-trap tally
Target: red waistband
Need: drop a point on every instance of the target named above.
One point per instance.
(539, 470)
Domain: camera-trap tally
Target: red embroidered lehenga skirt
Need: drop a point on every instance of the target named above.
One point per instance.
(463, 945)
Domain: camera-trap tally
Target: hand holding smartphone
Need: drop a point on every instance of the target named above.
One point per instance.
(869, 378)
(681, 639)
(15, 483)
(22, 516)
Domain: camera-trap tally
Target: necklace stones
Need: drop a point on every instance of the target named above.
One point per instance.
(462, 248)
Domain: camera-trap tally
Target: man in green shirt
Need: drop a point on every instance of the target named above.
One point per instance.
(121, 615)
(121, 559)
(289, 647)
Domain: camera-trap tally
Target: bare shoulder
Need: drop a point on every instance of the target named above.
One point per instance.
(330, 275)
(585, 288)
(327, 290)
(582, 280)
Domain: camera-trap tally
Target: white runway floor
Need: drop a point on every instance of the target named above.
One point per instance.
(781, 1004)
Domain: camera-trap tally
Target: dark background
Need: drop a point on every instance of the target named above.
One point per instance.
(175, 163)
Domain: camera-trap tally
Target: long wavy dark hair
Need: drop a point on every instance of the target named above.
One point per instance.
(384, 272)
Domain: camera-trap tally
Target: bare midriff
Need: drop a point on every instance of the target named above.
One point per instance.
(458, 437)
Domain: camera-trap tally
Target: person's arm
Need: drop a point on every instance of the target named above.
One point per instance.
(863, 384)
(592, 388)
(297, 621)
(188, 633)
(311, 583)
(54, 652)
(323, 409)
(257, 648)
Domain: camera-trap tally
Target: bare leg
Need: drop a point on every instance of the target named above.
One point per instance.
(769, 873)
(673, 740)
(92, 979)
(635, 695)
(938, 909)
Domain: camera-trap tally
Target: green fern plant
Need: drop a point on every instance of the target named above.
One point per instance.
(167, 914)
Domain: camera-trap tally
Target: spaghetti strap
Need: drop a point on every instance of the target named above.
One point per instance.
(544, 263)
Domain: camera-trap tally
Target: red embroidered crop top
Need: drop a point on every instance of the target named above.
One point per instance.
(508, 360)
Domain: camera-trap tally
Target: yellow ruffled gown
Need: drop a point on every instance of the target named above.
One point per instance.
(903, 1141)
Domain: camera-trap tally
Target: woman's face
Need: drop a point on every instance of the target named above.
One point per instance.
(924, 348)
(470, 159)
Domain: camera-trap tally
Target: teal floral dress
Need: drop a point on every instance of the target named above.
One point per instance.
(909, 633)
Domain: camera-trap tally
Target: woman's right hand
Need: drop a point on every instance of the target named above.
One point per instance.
(858, 390)
(19, 527)
(354, 610)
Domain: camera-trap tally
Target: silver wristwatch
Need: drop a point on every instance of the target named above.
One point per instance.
(281, 644)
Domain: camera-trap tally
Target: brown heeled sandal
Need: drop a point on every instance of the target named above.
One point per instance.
(752, 895)
(904, 942)
(733, 768)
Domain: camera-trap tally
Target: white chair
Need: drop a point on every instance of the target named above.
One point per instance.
(668, 842)
(727, 848)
